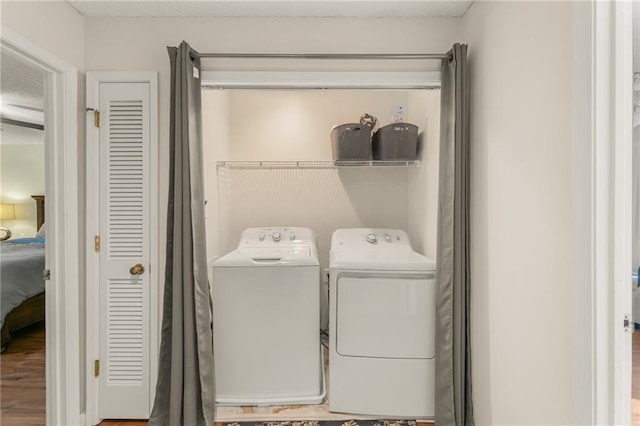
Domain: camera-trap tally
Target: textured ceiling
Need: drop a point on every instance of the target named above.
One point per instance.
(636, 36)
(21, 89)
(269, 8)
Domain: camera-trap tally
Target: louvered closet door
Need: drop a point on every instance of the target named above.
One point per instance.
(124, 232)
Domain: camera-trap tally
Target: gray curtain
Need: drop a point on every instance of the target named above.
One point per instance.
(186, 387)
(454, 404)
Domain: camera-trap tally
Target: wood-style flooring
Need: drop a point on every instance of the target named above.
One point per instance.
(635, 380)
(22, 378)
(22, 381)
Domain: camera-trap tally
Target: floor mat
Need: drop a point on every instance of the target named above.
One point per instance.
(327, 423)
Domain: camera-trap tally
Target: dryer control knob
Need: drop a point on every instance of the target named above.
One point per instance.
(261, 237)
(292, 236)
(387, 237)
(276, 236)
(371, 238)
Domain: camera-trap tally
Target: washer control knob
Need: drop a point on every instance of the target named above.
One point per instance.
(371, 238)
(261, 237)
(276, 236)
(292, 236)
(387, 237)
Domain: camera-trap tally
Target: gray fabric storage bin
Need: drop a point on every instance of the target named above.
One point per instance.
(396, 141)
(351, 142)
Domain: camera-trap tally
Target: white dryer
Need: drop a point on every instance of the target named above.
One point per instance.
(381, 325)
(266, 320)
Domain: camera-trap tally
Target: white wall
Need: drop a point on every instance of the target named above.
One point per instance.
(52, 25)
(523, 294)
(21, 176)
(216, 135)
(295, 125)
(424, 111)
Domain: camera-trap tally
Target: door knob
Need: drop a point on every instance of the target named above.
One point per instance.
(137, 269)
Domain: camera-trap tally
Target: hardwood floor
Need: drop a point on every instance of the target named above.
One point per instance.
(22, 378)
(635, 381)
(22, 381)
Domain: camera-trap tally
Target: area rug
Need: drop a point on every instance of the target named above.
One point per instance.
(292, 415)
(326, 423)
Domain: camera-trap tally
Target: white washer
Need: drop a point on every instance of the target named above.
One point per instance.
(381, 325)
(266, 320)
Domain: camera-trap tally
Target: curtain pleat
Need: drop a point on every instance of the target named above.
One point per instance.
(185, 392)
(454, 404)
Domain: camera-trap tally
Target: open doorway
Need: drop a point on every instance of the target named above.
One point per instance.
(63, 368)
(22, 250)
(635, 258)
(636, 250)
(270, 161)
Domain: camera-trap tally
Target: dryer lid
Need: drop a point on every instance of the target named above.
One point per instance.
(376, 249)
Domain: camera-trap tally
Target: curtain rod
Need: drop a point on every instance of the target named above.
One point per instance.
(327, 55)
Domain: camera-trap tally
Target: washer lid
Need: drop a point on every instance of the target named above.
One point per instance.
(268, 256)
(376, 249)
(273, 246)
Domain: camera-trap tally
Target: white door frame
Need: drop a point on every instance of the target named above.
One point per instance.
(94, 78)
(608, 204)
(622, 208)
(62, 312)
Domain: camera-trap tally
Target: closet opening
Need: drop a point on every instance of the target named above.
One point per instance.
(268, 162)
(23, 161)
(39, 143)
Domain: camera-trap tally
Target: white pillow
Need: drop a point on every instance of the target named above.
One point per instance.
(40, 233)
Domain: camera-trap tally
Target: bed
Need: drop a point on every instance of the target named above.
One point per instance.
(22, 298)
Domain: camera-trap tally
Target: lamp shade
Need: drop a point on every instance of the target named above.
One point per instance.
(7, 211)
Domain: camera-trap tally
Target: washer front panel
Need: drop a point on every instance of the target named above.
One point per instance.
(266, 323)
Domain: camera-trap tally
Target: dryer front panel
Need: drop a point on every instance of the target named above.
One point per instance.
(386, 316)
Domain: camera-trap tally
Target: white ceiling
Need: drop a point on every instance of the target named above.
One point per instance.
(636, 36)
(21, 90)
(269, 8)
